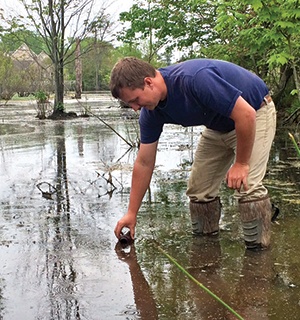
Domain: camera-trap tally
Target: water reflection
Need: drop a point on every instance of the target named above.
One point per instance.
(58, 255)
(258, 286)
(1, 300)
(205, 264)
(143, 297)
(43, 239)
(60, 271)
(80, 140)
(253, 294)
(63, 200)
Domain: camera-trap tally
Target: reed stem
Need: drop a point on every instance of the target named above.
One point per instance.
(198, 283)
(295, 144)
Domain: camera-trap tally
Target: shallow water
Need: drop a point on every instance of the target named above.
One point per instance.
(64, 185)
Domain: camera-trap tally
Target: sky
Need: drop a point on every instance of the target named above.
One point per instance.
(115, 8)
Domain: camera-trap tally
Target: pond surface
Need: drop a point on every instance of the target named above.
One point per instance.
(65, 184)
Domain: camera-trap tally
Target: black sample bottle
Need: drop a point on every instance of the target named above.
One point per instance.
(125, 239)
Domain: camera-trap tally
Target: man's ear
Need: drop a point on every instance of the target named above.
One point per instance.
(148, 81)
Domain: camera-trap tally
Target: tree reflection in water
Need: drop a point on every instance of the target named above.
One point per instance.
(60, 272)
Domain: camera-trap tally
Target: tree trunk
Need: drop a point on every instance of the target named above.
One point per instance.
(294, 67)
(59, 88)
(296, 80)
(97, 64)
(286, 74)
(78, 70)
(57, 57)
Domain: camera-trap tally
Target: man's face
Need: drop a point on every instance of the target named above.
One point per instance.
(147, 97)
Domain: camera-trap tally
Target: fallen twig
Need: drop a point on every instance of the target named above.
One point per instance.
(87, 110)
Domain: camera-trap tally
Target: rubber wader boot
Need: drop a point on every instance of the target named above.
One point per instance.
(256, 222)
(205, 217)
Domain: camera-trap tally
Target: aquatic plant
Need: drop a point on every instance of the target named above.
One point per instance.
(295, 144)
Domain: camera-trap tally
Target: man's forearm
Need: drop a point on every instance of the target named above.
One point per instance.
(244, 117)
(141, 178)
(245, 135)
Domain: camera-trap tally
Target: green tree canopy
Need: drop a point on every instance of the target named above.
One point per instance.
(12, 40)
(262, 36)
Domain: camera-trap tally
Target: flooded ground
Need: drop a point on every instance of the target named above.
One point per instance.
(64, 185)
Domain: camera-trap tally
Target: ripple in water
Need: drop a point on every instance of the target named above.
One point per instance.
(131, 313)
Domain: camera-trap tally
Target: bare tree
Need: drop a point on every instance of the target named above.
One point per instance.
(61, 23)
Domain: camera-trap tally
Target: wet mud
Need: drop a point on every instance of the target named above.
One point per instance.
(65, 184)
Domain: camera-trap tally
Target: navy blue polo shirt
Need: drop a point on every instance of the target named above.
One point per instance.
(201, 92)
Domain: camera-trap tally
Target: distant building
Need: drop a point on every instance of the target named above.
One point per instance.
(35, 70)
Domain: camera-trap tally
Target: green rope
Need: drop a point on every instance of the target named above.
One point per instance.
(198, 283)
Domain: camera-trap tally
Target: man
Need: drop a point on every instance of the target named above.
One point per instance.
(240, 119)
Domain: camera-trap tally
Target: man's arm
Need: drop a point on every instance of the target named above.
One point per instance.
(141, 177)
(244, 117)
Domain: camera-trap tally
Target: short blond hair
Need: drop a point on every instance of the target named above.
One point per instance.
(129, 72)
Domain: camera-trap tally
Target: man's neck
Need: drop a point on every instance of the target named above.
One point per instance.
(160, 82)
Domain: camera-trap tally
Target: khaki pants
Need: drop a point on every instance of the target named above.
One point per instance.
(216, 152)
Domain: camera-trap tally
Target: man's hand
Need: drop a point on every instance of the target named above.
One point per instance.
(237, 176)
(244, 117)
(141, 177)
(129, 221)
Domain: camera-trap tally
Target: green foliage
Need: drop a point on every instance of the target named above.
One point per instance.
(295, 91)
(60, 107)
(5, 67)
(10, 80)
(41, 97)
(97, 63)
(12, 40)
(295, 144)
(59, 25)
(277, 59)
(128, 50)
(163, 25)
(262, 36)
(146, 20)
